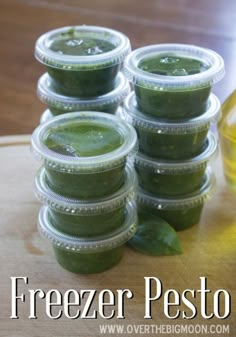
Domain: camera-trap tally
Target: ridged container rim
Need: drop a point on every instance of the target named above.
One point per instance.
(45, 55)
(92, 164)
(180, 203)
(174, 83)
(182, 166)
(161, 126)
(87, 245)
(86, 207)
(48, 95)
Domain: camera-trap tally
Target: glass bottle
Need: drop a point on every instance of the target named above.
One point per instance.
(227, 132)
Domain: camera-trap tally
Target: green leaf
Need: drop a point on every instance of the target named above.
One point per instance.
(155, 236)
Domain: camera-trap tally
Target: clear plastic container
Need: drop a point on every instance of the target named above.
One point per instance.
(75, 73)
(171, 140)
(180, 212)
(59, 104)
(47, 115)
(87, 153)
(181, 92)
(92, 255)
(87, 218)
(169, 178)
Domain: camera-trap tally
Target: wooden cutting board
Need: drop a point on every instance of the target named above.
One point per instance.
(209, 250)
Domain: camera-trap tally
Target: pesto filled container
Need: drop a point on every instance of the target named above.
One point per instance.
(88, 255)
(166, 139)
(84, 153)
(172, 177)
(59, 104)
(88, 218)
(181, 212)
(173, 81)
(82, 61)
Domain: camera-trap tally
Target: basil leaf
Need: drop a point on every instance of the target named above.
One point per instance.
(155, 236)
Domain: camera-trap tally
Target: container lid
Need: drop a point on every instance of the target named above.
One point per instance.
(48, 95)
(45, 55)
(180, 166)
(88, 245)
(47, 114)
(162, 82)
(162, 126)
(179, 203)
(69, 164)
(86, 207)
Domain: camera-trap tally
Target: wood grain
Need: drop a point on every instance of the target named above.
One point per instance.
(209, 249)
(206, 23)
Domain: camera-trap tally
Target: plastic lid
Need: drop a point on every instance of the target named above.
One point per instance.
(180, 203)
(162, 82)
(162, 126)
(47, 94)
(47, 114)
(91, 245)
(180, 166)
(86, 207)
(70, 164)
(73, 62)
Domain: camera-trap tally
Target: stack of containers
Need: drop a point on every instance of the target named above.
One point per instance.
(86, 184)
(172, 109)
(83, 65)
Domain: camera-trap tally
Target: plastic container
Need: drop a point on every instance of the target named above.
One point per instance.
(173, 81)
(84, 153)
(88, 218)
(82, 61)
(59, 104)
(180, 212)
(171, 140)
(170, 178)
(92, 255)
(47, 115)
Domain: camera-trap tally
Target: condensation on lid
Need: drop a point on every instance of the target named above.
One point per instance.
(45, 55)
(146, 79)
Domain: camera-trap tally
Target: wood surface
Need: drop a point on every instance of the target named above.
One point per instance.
(209, 250)
(206, 23)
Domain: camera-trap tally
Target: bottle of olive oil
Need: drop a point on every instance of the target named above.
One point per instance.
(227, 132)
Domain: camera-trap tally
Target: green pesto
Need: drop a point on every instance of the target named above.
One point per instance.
(179, 219)
(71, 44)
(88, 81)
(84, 83)
(166, 184)
(171, 146)
(86, 185)
(172, 65)
(88, 263)
(83, 139)
(172, 104)
(109, 108)
(88, 225)
(155, 236)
